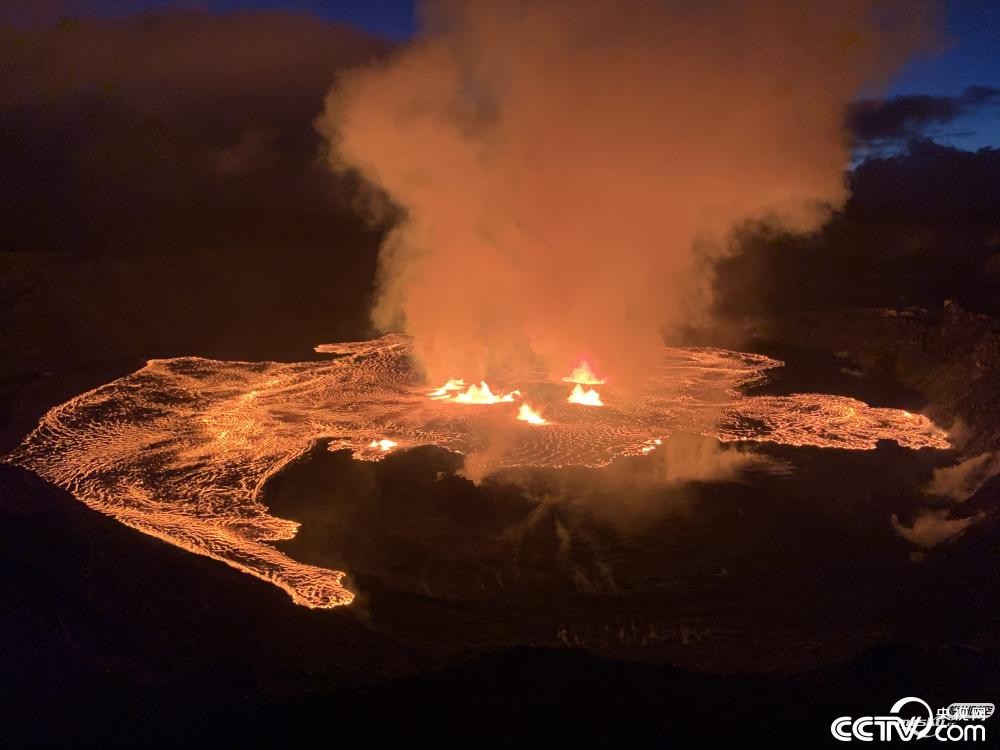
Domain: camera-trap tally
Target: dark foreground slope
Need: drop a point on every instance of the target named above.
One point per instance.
(112, 638)
(116, 639)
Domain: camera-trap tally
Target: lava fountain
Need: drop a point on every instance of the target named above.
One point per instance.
(589, 397)
(481, 394)
(182, 448)
(584, 375)
(529, 415)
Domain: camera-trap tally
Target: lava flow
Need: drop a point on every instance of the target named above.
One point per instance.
(182, 448)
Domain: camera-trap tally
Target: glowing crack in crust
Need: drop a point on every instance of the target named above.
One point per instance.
(182, 448)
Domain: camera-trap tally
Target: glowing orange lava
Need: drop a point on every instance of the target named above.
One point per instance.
(527, 414)
(589, 397)
(652, 446)
(446, 390)
(584, 375)
(481, 394)
(182, 448)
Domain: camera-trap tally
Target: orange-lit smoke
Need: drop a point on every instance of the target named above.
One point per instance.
(563, 167)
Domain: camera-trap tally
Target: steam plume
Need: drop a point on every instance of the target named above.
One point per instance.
(960, 481)
(561, 165)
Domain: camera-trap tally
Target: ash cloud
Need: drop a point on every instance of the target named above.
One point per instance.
(565, 168)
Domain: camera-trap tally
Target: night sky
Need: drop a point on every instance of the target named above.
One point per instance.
(971, 56)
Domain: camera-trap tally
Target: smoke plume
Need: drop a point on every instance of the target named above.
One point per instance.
(960, 481)
(564, 168)
(932, 527)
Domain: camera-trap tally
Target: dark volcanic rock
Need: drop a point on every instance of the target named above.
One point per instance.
(951, 356)
(114, 639)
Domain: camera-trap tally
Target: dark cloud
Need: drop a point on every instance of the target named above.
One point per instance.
(160, 178)
(930, 184)
(909, 116)
(170, 127)
(920, 228)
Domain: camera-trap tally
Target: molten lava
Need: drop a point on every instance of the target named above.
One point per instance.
(652, 446)
(529, 415)
(584, 375)
(481, 394)
(446, 390)
(589, 397)
(181, 450)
